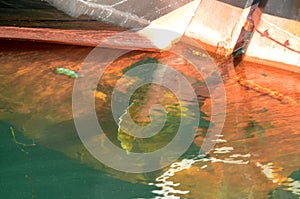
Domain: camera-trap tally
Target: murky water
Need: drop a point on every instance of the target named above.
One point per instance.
(257, 155)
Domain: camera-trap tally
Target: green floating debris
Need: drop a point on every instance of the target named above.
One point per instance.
(19, 144)
(67, 72)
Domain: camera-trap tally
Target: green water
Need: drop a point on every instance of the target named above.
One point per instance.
(39, 172)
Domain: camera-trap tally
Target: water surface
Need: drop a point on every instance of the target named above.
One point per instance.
(256, 156)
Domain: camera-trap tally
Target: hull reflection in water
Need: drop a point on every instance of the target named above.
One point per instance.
(37, 100)
(257, 155)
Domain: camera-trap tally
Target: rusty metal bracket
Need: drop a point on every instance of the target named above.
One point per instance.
(218, 24)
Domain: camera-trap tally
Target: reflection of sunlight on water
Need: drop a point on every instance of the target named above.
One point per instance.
(272, 173)
(169, 189)
(293, 186)
(223, 150)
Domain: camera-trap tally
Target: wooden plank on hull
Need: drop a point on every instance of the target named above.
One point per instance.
(160, 34)
(276, 42)
(90, 38)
